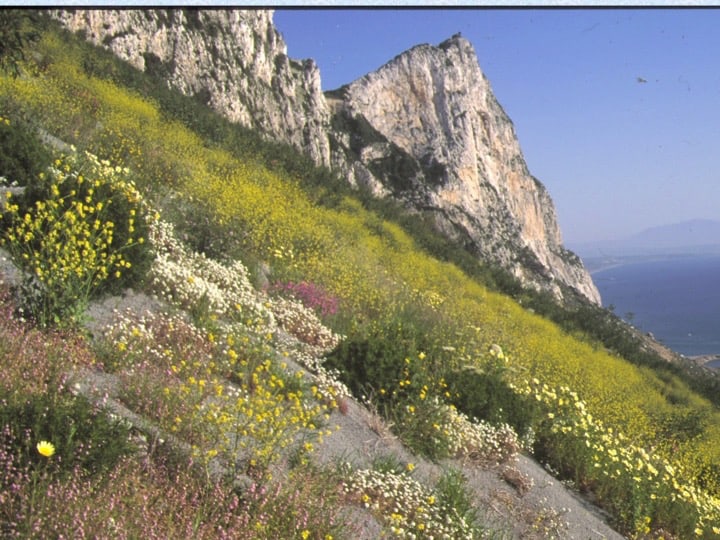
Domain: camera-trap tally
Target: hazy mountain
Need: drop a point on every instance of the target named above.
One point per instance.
(697, 236)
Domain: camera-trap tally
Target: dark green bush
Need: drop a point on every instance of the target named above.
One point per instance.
(376, 359)
(23, 156)
(398, 365)
(484, 392)
(196, 223)
(16, 33)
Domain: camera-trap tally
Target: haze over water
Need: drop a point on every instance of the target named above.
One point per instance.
(677, 300)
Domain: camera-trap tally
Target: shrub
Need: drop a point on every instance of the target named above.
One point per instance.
(453, 492)
(36, 404)
(16, 33)
(206, 288)
(176, 375)
(303, 324)
(82, 434)
(22, 155)
(484, 391)
(408, 509)
(374, 360)
(78, 230)
(644, 492)
(200, 229)
(310, 294)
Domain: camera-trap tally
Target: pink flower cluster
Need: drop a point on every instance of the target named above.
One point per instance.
(310, 294)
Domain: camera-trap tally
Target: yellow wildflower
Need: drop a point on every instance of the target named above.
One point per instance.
(46, 449)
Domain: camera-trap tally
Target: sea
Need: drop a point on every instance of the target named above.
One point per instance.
(677, 299)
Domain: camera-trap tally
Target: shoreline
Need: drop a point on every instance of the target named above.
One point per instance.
(705, 360)
(595, 265)
(692, 337)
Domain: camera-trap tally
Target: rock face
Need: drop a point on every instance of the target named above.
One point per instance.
(425, 128)
(235, 60)
(439, 140)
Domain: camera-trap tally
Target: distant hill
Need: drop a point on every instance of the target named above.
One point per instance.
(697, 236)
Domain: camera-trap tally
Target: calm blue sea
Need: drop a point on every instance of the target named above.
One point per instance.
(678, 300)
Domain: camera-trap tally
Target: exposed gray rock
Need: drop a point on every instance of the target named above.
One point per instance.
(425, 128)
(234, 59)
(430, 131)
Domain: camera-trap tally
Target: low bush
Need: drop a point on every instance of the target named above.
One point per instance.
(81, 434)
(23, 156)
(77, 231)
(644, 492)
(36, 403)
(310, 294)
(453, 492)
(407, 508)
(483, 390)
(17, 32)
(375, 360)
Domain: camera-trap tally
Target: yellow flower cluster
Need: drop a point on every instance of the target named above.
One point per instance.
(219, 391)
(259, 420)
(647, 492)
(67, 241)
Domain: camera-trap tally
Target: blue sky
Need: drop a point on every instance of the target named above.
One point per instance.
(617, 110)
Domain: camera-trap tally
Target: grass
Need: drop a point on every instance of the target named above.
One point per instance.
(403, 325)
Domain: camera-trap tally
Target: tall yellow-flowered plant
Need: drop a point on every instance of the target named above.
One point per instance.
(75, 230)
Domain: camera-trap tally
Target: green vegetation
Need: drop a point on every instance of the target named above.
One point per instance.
(16, 34)
(409, 508)
(78, 228)
(23, 156)
(412, 326)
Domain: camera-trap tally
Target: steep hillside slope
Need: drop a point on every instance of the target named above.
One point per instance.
(247, 255)
(440, 142)
(234, 60)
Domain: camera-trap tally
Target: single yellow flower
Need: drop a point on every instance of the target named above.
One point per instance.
(45, 448)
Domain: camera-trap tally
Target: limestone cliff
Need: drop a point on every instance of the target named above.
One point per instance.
(425, 128)
(235, 60)
(439, 140)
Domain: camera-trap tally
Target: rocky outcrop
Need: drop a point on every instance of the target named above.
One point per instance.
(235, 60)
(425, 128)
(436, 137)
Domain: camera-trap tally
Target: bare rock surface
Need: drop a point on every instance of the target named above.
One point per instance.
(437, 138)
(519, 499)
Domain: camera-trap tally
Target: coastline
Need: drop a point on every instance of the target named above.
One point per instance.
(672, 303)
(706, 360)
(595, 265)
